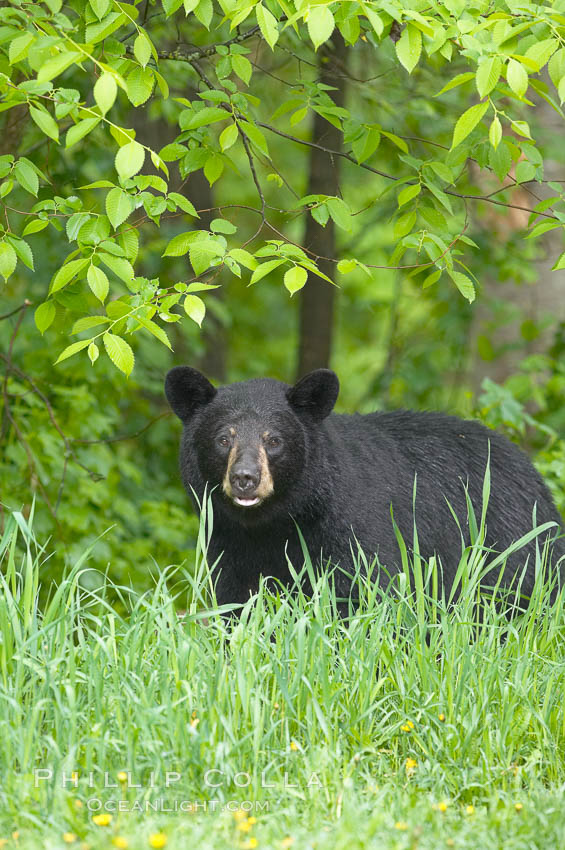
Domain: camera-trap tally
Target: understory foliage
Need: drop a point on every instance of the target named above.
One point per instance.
(154, 173)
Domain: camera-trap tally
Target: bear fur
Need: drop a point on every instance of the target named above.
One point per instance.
(274, 457)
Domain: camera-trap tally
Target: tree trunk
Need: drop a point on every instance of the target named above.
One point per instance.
(317, 299)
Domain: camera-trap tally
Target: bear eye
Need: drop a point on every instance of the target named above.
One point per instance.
(224, 441)
(273, 442)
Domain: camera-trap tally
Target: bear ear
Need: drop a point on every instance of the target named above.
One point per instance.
(186, 390)
(315, 394)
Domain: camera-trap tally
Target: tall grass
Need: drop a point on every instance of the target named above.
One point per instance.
(330, 729)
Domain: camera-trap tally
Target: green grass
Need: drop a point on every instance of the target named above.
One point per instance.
(314, 716)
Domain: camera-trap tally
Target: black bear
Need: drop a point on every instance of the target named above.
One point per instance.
(274, 458)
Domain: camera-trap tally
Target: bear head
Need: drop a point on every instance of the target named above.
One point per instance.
(250, 442)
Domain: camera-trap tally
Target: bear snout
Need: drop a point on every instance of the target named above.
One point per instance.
(248, 480)
(244, 480)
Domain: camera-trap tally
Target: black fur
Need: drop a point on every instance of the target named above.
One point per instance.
(336, 477)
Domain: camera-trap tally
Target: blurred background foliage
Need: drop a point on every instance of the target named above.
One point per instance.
(100, 458)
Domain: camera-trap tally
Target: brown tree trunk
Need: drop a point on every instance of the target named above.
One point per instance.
(317, 299)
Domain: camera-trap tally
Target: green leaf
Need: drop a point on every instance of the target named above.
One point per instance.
(467, 122)
(179, 245)
(22, 250)
(8, 259)
(213, 168)
(129, 160)
(456, 81)
(264, 269)
(256, 135)
(522, 128)
(525, 171)
(121, 267)
(195, 308)
(93, 352)
(105, 91)
(556, 66)
(321, 24)
(55, 66)
(346, 266)
(464, 284)
(119, 205)
(541, 51)
(220, 225)
(172, 152)
(35, 226)
(374, 19)
(408, 193)
(495, 132)
(19, 47)
(142, 49)
(67, 272)
(488, 74)
(500, 160)
(184, 204)
(100, 7)
(242, 67)
(228, 137)
(366, 144)
(119, 352)
(340, 212)
(409, 47)
(203, 117)
(155, 329)
(44, 316)
(72, 349)
(88, 322)
(517, 77)
(244, 257)
(45, 122)
(80, 130)
(98, 282)
(560, 264)
(268, 25)
(139, 85)
(26, 177)
(295, 278)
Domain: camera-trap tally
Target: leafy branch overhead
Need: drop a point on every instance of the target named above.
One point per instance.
(238, 85)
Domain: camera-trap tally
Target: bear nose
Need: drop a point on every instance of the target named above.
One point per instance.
(244, 479)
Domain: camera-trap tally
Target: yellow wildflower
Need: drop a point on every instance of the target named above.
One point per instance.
(401, 824)
(120, 841)
(252, 843)
(470, 810)
(122, 776)
(442, 806)
(158, 839)
(69, 837)
(239, 815)
(287, 842)
(518, 807)
(293, 746)
(441, 717)
(252, 820)
(244, 826)
(410, 764)
(102, 819)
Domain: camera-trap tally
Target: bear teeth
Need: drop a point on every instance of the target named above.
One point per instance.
(247, 503)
